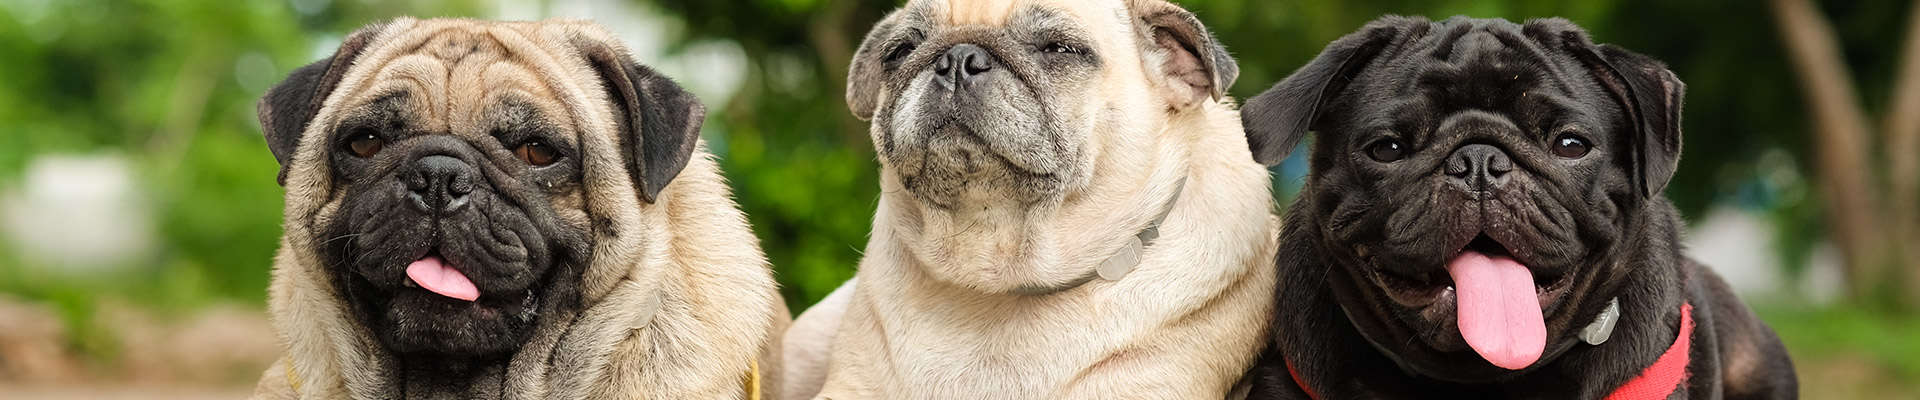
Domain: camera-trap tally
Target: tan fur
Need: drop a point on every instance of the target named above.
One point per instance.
(927, 319)
(808, 343)
(978, 12)
(691, 251)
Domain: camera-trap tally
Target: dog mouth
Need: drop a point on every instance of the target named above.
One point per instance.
(447, 304)
(970, 151)
(951, 163)
(1420, 288)
(434, 274)
(454, 285)
(1494, 299)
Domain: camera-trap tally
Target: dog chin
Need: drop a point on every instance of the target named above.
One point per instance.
(416, 321)
(957, 169)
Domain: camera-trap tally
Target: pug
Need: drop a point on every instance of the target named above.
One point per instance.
(1483, 219)
(506, 210)
(1068, 210)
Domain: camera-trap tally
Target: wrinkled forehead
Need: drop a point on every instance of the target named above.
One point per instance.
(1469, 64)
(464, 79)
(1101, 19)
(1490, 54)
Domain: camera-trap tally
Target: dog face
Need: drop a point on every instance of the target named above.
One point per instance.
(1011, 108)
(458, 207)
(1471, 180)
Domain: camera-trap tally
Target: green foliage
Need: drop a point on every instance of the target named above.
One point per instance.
(801, 165)
(1888, 340)
(170, 86)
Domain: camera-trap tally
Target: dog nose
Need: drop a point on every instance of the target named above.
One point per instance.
(962, 63)
(1478, 167)
(439, 184)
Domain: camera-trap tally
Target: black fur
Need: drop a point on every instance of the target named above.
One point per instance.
(287, 108)
(662, 121)
(1367, 240)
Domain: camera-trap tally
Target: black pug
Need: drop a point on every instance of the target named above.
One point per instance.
(1483, 219)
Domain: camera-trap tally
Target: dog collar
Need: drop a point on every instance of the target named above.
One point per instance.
(1667, 374)
(1601, 328)
(1124, 260)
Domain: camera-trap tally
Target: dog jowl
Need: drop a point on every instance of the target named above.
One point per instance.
(1482, 192)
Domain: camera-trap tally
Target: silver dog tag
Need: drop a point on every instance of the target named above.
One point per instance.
(1602, 326)
(1122, 262)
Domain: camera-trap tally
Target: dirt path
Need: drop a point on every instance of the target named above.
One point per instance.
(120, 393)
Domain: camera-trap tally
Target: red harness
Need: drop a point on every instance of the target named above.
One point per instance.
(1656, 382)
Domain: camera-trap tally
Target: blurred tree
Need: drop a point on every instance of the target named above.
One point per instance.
(1877, 224)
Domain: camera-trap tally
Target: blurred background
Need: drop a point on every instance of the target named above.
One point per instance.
(139, 214)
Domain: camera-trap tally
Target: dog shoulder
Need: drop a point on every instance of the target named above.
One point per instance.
(717, 251)
(1753, 362)
(275, 384)
(720, 311)
(809, 342)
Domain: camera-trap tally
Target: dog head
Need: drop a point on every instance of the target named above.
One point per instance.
(453, 177)
(1473, 180)
(995, 120)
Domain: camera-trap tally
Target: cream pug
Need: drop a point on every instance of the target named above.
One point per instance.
(1069, 210)
(506, 210)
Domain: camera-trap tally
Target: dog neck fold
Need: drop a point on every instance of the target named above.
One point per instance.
(1123, 261)
(1129, 256)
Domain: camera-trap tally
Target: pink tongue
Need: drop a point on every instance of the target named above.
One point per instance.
(1499, 311)
(434, 275)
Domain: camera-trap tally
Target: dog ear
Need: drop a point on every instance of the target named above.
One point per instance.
(867, 74)
(659, 121)
(286, 109)
(1181, 55)
(1276, 120)
(1652, 97)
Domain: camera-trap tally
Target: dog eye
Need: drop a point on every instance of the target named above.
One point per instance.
(536, 153)
(1386, 150)
(364, 143)
(1571, 146)
(900, 51)
(1060, 48)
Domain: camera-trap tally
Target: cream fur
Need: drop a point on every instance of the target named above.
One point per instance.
(691, 251)
(927, 321)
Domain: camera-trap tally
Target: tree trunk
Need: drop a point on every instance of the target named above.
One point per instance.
(1840, 137)
(829, 32)
(1902, 128)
